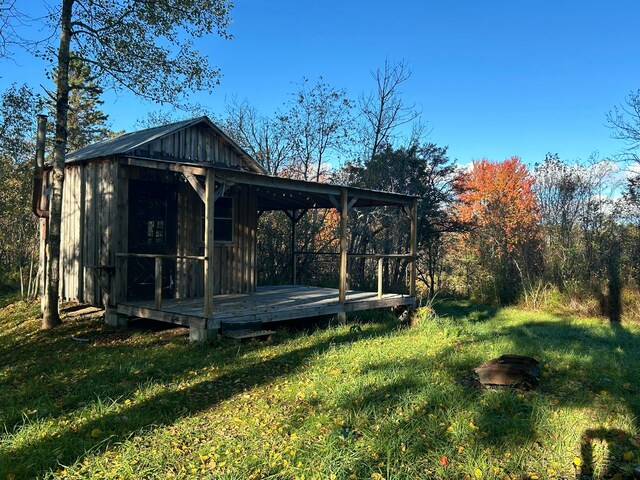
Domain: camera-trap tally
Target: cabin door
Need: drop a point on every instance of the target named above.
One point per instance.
(152, 230)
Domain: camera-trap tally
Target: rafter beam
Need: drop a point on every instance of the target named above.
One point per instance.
(193, 181)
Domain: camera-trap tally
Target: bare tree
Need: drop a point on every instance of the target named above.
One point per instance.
(10, 17)
(384, 110)
(624, 119)
(263, 137)
(317, 124)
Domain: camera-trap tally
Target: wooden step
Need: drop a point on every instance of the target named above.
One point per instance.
(248, 334)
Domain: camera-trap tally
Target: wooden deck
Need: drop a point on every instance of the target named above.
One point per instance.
(267, 304)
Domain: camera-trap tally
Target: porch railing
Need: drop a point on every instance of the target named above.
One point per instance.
(379, 256)
(122, 278)
(121, 272)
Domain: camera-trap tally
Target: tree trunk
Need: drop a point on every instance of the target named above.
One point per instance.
(50, 314)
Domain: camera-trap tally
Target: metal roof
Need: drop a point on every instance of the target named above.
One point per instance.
(128, 142)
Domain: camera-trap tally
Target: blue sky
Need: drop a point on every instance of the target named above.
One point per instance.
(493, 78)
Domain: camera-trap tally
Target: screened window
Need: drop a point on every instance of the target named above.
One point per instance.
(151, 219)
(222, 221)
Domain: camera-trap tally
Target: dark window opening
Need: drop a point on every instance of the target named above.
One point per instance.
(151, 220)
(222, 221)
(152, 211)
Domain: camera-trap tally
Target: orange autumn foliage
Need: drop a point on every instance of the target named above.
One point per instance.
(497, 200)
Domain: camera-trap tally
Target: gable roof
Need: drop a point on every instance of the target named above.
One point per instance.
(128, 142)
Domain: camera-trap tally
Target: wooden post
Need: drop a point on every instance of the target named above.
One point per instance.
(294, 257)
(414, 248)
(121, 233)
(158, 291)
(344, 212)
(380, 260)
(348, 277)
(209, 208)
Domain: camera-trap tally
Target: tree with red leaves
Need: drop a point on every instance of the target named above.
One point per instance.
(498, 204)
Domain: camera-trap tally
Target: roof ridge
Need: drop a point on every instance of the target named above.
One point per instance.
(129, 141)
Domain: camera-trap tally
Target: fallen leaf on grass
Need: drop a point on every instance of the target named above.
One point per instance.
(444, 461)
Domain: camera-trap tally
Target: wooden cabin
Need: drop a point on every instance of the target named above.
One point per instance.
(161, 223)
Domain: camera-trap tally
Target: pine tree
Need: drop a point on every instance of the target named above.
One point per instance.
(86, 122)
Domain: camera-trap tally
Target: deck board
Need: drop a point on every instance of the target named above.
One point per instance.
(266, 304)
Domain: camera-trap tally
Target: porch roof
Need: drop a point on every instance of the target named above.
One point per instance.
(278, 193)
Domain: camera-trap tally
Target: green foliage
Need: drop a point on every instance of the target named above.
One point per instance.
(274, 256)
(421, 170)
(374, 402)
(18, 226)
(146, 47)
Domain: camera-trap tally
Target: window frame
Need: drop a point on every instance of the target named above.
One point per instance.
(232, 219)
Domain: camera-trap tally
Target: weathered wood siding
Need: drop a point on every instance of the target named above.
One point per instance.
(87, 234)
(189, 273)
(234, 263)
(194, 144)
(94, 229)
(71, 261)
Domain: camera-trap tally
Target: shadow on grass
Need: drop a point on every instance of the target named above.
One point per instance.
(56, 376)
(599, 369)
(585, 362)
(592, 365)
(464, 310)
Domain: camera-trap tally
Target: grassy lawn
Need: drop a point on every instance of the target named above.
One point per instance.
(370, 403)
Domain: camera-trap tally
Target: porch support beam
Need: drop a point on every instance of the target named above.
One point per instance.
(209, 208)
(380, 272)
(413, 248)
(193, 181)
(158, 285)
(334, 201)
(344, 212)
(342, 292)
(167, 166)
(294, 241)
